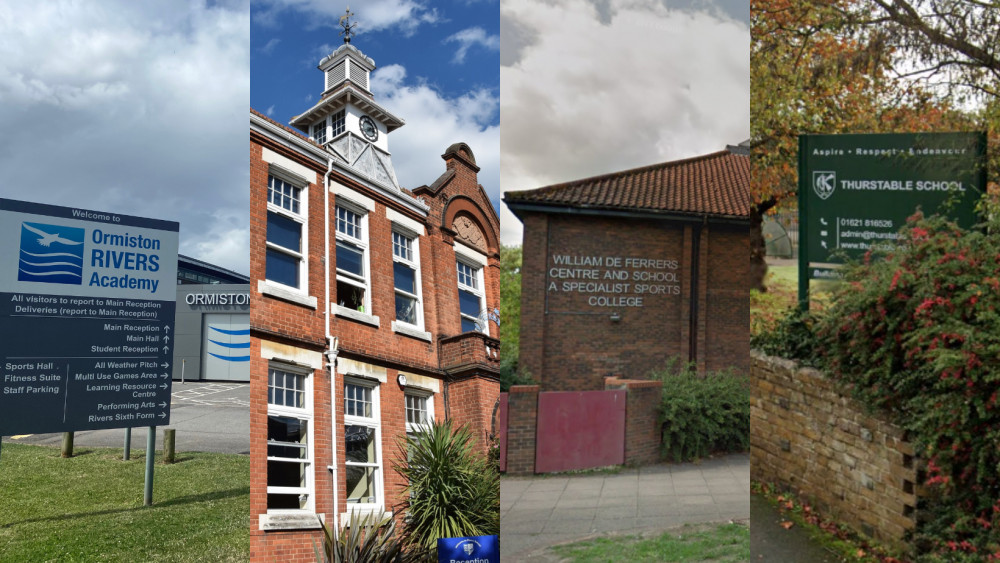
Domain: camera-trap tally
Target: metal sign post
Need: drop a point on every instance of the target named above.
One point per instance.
(150, 457)
(856, 192)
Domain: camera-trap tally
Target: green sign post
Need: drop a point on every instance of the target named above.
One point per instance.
(856, 191)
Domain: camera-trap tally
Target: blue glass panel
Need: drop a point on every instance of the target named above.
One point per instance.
(468, 325)
(405, 278)
(469, 303)
(349, 259)
(282, 268)
(284, 232)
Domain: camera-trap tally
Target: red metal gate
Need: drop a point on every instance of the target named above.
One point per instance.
(502, 433)
(580, 430)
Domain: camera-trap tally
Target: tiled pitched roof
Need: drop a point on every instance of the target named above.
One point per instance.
(716, 185)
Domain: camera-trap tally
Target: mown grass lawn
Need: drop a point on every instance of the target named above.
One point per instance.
(725, 543)
(90, 507)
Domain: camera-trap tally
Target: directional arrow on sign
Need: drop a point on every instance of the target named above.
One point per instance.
(164, 386)
(164, 375)
(165, 365)
(166, 328)
(163, 415)
(166, 338)
(166, 349)
(163, 405)
(823, 242)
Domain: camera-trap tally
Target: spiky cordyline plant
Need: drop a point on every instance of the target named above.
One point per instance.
(453, 490)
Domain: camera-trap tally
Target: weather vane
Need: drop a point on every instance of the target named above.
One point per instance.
(345, 22)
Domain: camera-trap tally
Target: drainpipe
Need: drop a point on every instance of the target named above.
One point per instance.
(332, 342)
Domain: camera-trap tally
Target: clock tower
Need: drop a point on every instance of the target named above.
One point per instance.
(346, 120)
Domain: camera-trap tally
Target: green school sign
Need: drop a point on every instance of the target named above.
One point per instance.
(856, 191)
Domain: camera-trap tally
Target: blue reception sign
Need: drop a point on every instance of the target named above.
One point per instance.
(476, 549)
(86, 311)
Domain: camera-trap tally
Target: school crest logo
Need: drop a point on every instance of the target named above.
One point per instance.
(824, 183)
(51, 254)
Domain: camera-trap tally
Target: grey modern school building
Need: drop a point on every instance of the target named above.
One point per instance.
(212, 326)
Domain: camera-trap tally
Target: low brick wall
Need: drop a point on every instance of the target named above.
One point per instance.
(642, 419)
(809, 436)
(642, 428)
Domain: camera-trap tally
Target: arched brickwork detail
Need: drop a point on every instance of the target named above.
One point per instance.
(466, 206)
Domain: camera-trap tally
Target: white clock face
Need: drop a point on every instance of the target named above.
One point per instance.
(368, 128)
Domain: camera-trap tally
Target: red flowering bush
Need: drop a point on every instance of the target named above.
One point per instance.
(917, 332)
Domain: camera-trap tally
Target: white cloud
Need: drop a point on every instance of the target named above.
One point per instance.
(139, 106)
(373, 15)
(270, 110)
(470, 37)
(581, 98)
(269, 47)
(435, 122)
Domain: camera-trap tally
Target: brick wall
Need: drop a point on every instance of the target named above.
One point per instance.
(570, 344)
(642, 419)
(642, 427)
(809, 436)
(522, 418)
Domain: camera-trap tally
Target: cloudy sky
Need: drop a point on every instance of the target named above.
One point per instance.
(596, 86)
(437, 69)
(137, 108)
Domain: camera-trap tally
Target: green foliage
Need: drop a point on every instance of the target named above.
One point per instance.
(510, 309)
(917, 333)
(453, 490)
(364, 539)
(790, 336)
(702, 414)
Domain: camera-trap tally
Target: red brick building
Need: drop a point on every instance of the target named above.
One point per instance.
(622, 271)
(372, 310)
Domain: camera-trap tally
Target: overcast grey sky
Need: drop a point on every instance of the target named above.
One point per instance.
(590, 87)
(137, 108)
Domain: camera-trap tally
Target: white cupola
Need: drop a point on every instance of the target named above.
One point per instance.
(346, 120)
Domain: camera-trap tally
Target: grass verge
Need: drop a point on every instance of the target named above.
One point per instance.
(723, 543)
(90, 507)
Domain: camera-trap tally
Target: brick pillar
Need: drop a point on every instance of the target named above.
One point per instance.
(522, 420)
(642, 422)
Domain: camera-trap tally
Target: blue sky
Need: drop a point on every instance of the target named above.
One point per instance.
(438, 68)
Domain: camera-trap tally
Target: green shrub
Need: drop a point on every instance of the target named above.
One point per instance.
(364, 539)
(790, 336)
(702, 414)
(453, 490)
(916, 332)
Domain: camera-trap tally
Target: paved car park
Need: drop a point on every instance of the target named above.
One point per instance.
(208, 417)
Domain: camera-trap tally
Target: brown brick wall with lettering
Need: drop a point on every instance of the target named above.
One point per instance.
(808, 435)
(579, 272)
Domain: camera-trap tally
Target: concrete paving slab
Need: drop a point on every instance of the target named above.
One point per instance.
(657, 497)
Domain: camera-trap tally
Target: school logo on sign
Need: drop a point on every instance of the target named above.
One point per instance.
(824, 183)
(477, 549)
(51, 254)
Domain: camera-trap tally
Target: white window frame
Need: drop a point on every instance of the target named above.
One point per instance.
(300, 217)
(320, 131)
(360, 243)
(414, 264)
(338, 118)
(305, 414)
(412, 428)
(477, 262)
(374, 422)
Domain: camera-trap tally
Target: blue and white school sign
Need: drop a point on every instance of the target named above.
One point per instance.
(86, 309)
(476, 549)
